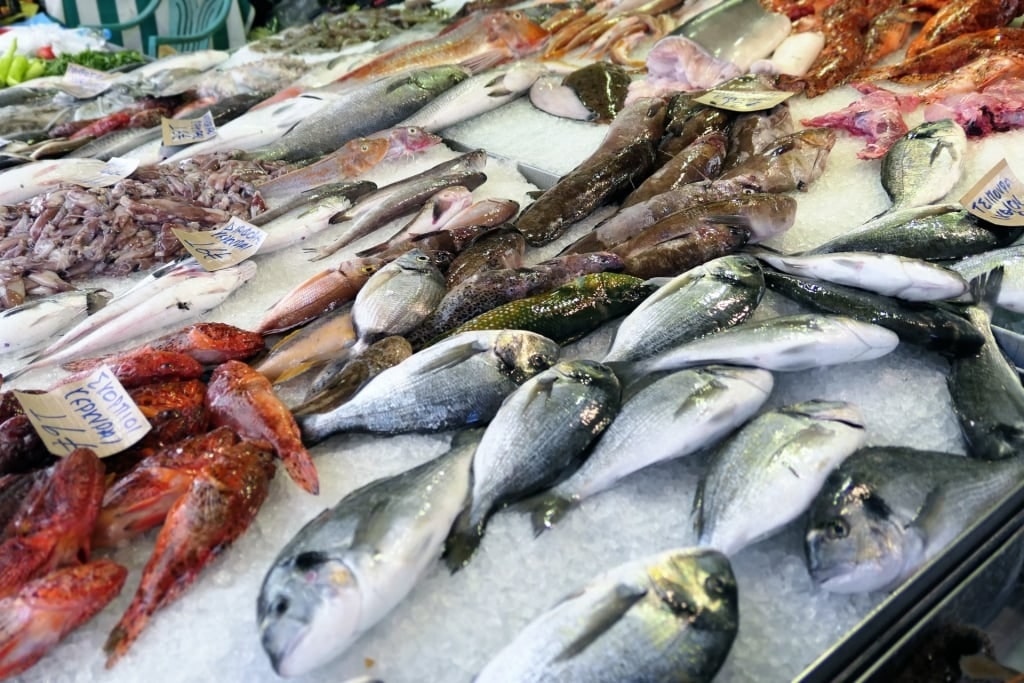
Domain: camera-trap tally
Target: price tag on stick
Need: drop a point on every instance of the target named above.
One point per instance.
(997, 198)
(229, 244)
(744, 100)
(95, 412)
(187, 131)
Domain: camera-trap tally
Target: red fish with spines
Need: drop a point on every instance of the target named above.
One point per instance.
(215, 510)
(45, 610)
(242, 399)
(478, 42)
(959, 17)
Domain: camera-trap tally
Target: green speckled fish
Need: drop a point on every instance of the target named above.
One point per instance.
(569, 312)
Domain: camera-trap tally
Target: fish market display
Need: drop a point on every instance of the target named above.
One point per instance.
(290, 366)
(626, 623)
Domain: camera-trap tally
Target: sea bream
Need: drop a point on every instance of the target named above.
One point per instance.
(673, 416)
(537, 436)
(669, 617)
(458, 382)
(352, 564)
(925, 164)
(887, 510)
(767, 474)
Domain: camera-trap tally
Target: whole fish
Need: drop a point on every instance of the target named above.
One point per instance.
(769, 472)
(988, 399)
(706, 299)
(300, 224)
(353, 563)
(363, 110)
(458, 382)
(625, 156)
(934, 233)
(28, 180)
(480, 41)
(702, 160)
(687, 120)
(502, 247)
(325, 339)
(787, 343)
(436, 213)
(753, 131)
(596, 92)
(340, 380)
(538, 435)
(895, 276)
(676, 415)
(490, 289)
(671, 616)
(476, 95)
(677, 248)
(925, 164)
(353, 189)
(168, 296)
(933, 327)
(1011, 287)
(115, 143)
(568, 312)
(404, 197)
(31, 324)
(351, 160)
(887, 510)
(242, 399)
(791, 162)
(396, 298)
(441, 245)
(319, 294)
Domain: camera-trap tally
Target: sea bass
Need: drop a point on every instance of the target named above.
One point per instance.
(480, 41)
(769, 472)
(676, 415)
(539, 434)
(887, 510)
(458, 382)
(671, 616)
(352, 564)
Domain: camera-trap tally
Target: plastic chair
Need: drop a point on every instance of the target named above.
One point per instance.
(194, 22)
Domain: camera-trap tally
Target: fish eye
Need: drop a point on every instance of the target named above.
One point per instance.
(837, 529)
(517, 15)
(714, 586)
(279, 606)
(364, 147)
(423, 259)
(537, 361)
(369, 269)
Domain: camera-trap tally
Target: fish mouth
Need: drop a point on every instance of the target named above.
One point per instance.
(281, 650)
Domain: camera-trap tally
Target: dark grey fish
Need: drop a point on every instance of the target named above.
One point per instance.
(687, 120)
(934, 327)
(366, 109)
(700, 160)
(753, 131)
(670, 617)
(624, 158)
(887, 510)
(538, 435)
(350, 189)
(791, 162)
(502, 247)
(601, 87)
(339, 381)
(933, 233)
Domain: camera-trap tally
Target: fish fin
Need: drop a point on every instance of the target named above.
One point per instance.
(627, 371)
(95, 299)
(483, 61)
(604, 614)
(462, 541)
(982, 666)
(454, 356)
(372, 527)
(294, 371)
(1011, 343)
(928, 522)
(732, 220)
(535, 194)
(499, 92)
(547, 509)
(370, 251)
(985, 288)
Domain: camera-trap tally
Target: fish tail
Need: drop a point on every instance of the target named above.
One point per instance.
(463, 541)
(627, 371)
(985, 288)
(311, 429)
(546, 510)
(370, 251)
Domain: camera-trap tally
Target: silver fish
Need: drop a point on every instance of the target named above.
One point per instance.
(769, 472)
(668, 617)
(706, 299)
(674, 416)
(168, 296)
(458, 382)
(1011, 287)
(896, 276)
(474, 96)
(439, 210)
(925, 164)
(887, 510)
(362, 110)
(352, 564)
(298, 225)
(396, 298)
(31, 324)
(794, 342)
(539, 434)
(115, 143)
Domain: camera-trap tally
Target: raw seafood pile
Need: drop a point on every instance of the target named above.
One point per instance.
(746, 183)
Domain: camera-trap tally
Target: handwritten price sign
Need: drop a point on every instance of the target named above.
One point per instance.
(187, 131)
(229, 244)
(997, 198)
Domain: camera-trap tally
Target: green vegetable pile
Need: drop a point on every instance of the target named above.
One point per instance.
(15, 69)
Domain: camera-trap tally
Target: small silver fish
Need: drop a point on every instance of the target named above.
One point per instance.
(769, 472)
(351, 565)
(709, 298)
(668, 617)
(925, 164)
(537, 435)
(31, 324)
(674, 416)
(396, 298)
